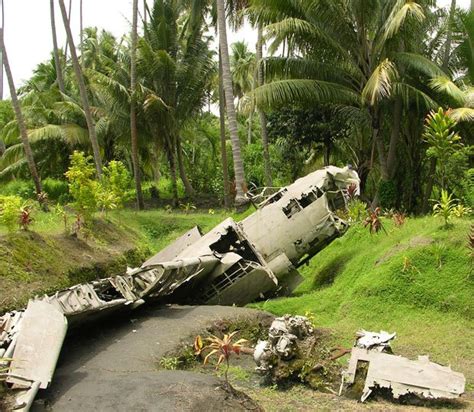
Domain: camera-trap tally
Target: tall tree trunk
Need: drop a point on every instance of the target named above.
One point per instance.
(22, 125)
(327, 151)
(240, 184)
(261, 113)
(81, 29)
(395, 136)
(170, 151)
(82, 91)
(249, 130)
(133, 107)
(225, 167)
(144, 13)
(182, 170)
(2, 30)
(429, 186)
(449, 36)
(68, 22)
(379, 145)
(57, 61)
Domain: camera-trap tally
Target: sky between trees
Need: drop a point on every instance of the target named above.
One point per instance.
(28, 31)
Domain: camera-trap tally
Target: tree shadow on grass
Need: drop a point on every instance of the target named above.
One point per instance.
(326, 274)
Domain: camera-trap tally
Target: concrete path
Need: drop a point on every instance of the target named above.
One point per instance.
(111, 366)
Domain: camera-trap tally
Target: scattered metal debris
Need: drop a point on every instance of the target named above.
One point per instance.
(282, 337)
(401, 375)
(235, 263)
(374, 341)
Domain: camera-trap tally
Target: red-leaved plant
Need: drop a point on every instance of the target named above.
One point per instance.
(399, 219)
(374, 222)
(25, 218)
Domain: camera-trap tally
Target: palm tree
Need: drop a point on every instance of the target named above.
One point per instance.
(69, 22)
(242, 68)
(351, 57)
(22, 125)
(133, 103)
(176, 68)
(82, 91)
(2, 29)
(57, 61)
(81, 26)
(240, 183)
(223, 139)
(261, 113)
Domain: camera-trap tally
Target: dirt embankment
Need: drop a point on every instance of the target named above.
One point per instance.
(34, 264)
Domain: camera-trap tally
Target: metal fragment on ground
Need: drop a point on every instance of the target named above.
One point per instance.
(404, 376)
(379, 341)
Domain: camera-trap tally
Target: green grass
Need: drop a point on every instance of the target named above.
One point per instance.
(46, 258)
(416, 280)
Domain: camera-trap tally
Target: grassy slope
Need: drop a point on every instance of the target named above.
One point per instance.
(45, 259)
(416, 280)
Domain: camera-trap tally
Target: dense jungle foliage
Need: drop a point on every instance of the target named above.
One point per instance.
(385, 86)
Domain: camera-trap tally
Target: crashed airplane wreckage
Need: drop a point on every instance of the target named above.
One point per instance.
(235, 263)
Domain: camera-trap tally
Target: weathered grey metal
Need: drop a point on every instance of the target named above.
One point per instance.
(172, 251)
(281, 344)
(404, 376)
(234, 263)
(373, 340)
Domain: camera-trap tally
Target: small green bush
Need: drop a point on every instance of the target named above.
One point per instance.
(357, 210)
(117, 183)
(22, 188)
(10, 207)
(82, 184)
(90, 194)
(388, 194)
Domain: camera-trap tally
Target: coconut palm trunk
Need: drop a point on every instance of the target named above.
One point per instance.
(57, 61)
(225, 167)
(261, 113)
(82, 91)
(182, 170)
(1, 58)
(240, 184)
(69, 22)
(449, 36)
(22, 125)
(81, 28)
(133, 108)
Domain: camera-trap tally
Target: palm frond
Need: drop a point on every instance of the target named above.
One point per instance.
(419, 63)
(380, 82)
(299, 91)
(445, 85)
(399, 14)
(462, 114)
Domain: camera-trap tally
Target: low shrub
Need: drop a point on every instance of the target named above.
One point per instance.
(10, 207)
(22, 188)
(56, 189)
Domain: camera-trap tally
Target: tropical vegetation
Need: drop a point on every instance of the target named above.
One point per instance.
(385, 86)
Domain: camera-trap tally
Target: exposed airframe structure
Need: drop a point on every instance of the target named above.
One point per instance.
(235, 263)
